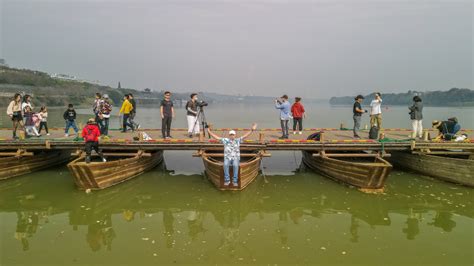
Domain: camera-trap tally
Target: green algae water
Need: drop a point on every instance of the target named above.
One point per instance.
(289, 215)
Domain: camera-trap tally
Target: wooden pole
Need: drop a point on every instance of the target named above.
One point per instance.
(426, 135)
(321, 137)
(341, 126)
(261, 138)
(201, 136)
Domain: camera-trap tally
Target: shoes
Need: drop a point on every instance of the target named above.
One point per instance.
(235, 184)
(190, 135)
(47, 134)
(137, 127)
(66, 135)
(104, 160)
(38, 136)
(88, 159)
(170, 137)
(226, 183)
(294, 132)
(300, 133)
(357, 137)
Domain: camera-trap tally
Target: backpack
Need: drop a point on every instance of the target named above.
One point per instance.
(453, 119)
(374, 132)
(315, 136)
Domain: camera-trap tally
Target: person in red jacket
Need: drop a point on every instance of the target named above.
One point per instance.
(298, 112)
(91, 134)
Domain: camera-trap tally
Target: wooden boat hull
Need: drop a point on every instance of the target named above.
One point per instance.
(369, 175)
(100, 175)
(11, 166)
(248, 171)
(455, 170)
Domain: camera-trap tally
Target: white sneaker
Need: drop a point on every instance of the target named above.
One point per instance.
(294, 132)
(66, 135)
(47, 134)
(226, 183)
(104, 160)
(301, 133)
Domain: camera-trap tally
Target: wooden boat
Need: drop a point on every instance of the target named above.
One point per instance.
(119, 167)
(455, 168)
(248, 170)
(368, 172)
(22, 162)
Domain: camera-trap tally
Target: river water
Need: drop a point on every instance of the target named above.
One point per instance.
(290, 215)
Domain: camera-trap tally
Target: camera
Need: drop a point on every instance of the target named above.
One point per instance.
(202, 104)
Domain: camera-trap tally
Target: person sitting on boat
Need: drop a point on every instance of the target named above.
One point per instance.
(91, 134)
(232, 153)
(447, 129)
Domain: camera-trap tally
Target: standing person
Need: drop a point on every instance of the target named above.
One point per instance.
(416, 116)
(133, 113)
(105, 111)
(14, 111)
(96, 109)
(44, 120)
(284, 106)
(26, 102)
(70, 118)
(191, 115)
(91, 134)
(167, 114)
(30, 123)
(298, 112)
(232, 153)
(357, 114)
(126, 109)
(376, 111)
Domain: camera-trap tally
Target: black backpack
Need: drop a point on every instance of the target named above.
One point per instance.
(374, 132)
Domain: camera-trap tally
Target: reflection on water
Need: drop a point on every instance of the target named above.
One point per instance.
(301, 218)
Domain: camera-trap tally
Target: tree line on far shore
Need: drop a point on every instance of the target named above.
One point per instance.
(452, 97)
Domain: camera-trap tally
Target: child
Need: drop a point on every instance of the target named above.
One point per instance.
(104, 114)
(30, 125)
(298, 113)
(44, 120)
(70, 118)
(91, 134)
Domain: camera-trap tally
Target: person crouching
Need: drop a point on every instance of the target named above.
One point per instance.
(91, 134)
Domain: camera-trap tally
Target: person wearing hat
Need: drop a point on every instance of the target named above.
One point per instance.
(105, 109)
(416, 116)
(284, 106)
(446, 129)
(91, 134)
(357, 111)
(232, 153)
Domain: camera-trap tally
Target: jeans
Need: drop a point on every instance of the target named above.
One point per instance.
(69, 124)
(45, 125)
(131, 119)
(235, 165)
(357, 119)
(126, 123)
(299, 121)
(417, 126)
(284, 127)
(376, 119)
(166, 126)
(105, 127)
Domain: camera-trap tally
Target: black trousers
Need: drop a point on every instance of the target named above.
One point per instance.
(92, 145)
(45, 125)
(166, 126)
(299, 121)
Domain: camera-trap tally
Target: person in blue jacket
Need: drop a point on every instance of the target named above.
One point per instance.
(284, 106)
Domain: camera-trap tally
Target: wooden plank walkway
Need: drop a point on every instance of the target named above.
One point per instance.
(333, 139)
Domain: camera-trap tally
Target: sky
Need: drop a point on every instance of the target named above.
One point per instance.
(311, 48)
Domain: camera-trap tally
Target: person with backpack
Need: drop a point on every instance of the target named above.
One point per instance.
(357, 114)
(376, 111)
(447, 129)
(44, 120)
(31, 120)
(105, 109)
(70, 118)
(91, 134)
(416, 116)
(14, 111)
(298, 112)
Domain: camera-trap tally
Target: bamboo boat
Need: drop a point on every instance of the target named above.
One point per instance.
(119, 167)
(248, 170)
(22, 162)
(368, 172)
(455, 168)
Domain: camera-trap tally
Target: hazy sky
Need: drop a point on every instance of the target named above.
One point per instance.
(313, 49)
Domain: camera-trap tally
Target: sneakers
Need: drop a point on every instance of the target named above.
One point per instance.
(47, 134)
(88, 159)
(357, 137)
(104, 160)
(235, 184)
(227, 183)
(170, 137)
(300, 133)
(66, 135)
(294, 132)
(190, 135)
(137, 127)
